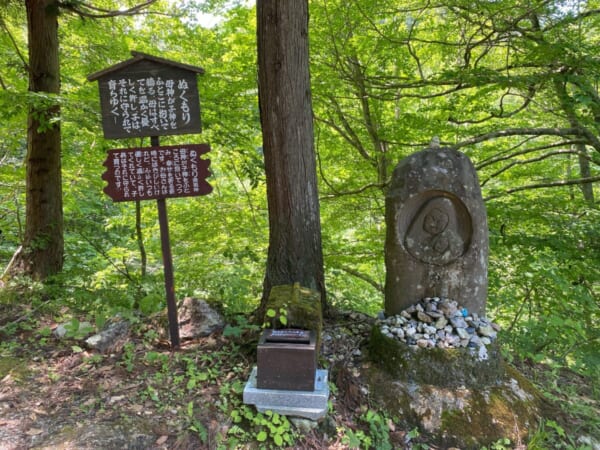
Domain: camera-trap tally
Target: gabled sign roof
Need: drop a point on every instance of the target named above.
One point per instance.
(139, 56)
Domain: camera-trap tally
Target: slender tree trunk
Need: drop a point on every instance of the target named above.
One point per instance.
(295, 253)
(586, 172)
(43, 245)
(587, 189)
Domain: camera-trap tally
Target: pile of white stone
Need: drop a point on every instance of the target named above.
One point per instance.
(442, 323)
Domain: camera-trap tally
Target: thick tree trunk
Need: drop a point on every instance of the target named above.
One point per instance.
(295, 253)
(43, 246)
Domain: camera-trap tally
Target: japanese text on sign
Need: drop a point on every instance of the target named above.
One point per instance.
(150, 104)
(157, 172)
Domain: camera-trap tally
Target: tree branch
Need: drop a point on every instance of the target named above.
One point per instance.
(544, 185)
(14, 43)
(356, 191)
(519, 132)
(83, 9)
(529, 161)
(363, 277)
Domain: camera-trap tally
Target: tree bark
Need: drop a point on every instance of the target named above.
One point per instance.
(295, 252)
(587, 189)
(43, 245)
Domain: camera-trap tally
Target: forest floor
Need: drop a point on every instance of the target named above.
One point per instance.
(55, 394)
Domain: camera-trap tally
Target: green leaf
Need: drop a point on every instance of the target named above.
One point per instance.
(261, 436)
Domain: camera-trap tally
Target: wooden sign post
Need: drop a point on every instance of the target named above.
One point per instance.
(150, 96)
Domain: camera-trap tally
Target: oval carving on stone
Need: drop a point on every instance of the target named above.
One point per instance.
(440, 230)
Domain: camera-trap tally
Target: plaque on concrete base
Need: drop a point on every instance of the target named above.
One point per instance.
(308, 404)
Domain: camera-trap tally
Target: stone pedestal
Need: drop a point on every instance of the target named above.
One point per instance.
(444, 367)
(461, 417)
(308, 404)
(452, 395)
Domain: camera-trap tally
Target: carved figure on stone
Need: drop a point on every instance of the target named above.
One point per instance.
(433, 236)
(437, 238)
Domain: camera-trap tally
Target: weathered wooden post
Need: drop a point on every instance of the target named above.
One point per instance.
(150, 96)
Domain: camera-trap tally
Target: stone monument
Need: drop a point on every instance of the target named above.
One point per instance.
(437, 235)
(442, 367)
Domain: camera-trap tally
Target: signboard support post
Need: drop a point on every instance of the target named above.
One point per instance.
(151, 96)
(163, 221)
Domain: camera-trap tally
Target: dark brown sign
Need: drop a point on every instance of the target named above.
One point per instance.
(148, 96)
(157, 172)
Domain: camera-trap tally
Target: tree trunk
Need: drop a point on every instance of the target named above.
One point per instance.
(43, 245)
(295, 253)
(585, 171)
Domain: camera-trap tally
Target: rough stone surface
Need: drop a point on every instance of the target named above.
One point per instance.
(83, 328)
(197, 319)
(443, 367)
(462, 417)
(111, 339)
(437, 235)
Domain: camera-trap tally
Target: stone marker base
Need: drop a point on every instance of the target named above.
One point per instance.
(451, 367)
(461, 417)
(308, 404)
(453, 396)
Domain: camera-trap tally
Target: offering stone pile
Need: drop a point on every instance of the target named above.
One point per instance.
(442, 323)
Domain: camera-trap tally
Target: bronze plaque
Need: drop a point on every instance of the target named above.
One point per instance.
(287, 360)
(157, 172)
(147, 98)
(288, 335)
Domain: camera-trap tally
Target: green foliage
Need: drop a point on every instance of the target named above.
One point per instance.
(281, 315)
(270, 429)
(128, 360)
(378, 429)
(195, 424)
(500, 444)
(77, 330)
(544, 281)
(376, 436)
(550, 435)
(386, 77)
(355, 439)
(242, 325)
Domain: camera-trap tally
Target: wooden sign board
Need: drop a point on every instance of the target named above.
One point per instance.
(157, 172)
(148, 96)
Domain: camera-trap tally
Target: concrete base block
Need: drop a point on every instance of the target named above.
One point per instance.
(309, 404)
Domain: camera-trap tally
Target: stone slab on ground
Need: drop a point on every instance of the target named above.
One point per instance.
(308, 404)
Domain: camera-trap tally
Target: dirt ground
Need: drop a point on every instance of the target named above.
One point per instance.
(56, 394)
